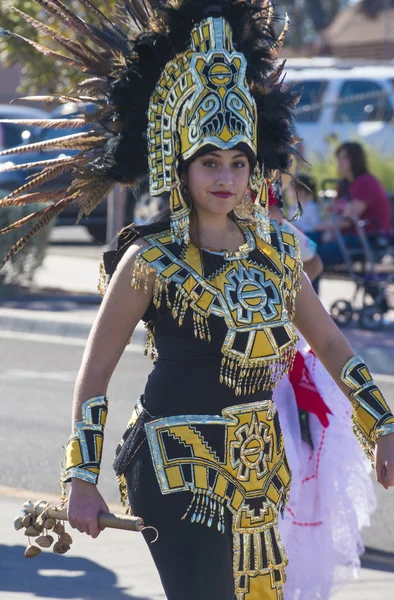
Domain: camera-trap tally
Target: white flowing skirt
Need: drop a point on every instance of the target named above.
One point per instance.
(331, 497)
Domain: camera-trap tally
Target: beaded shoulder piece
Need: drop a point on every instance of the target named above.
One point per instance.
(253, 290)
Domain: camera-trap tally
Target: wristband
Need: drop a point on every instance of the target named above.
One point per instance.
(372, 417)
(83, 451)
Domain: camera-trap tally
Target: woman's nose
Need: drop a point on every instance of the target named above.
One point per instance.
(225, 177)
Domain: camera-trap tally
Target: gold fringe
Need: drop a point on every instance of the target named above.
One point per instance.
(244, 375)
(365, 442)
(141, 274)
(205, 506)
(291, 294)
(150, 349)
(102, 279)
(248, 375)
(124, 498)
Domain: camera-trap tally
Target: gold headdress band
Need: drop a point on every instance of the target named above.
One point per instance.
(202, 100)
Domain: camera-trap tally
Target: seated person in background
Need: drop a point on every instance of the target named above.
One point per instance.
(364, 196)
(361, 197)
(303, 188)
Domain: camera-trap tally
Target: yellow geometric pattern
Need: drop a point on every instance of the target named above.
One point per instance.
(83, 451)
(371, 414)
(237, 461)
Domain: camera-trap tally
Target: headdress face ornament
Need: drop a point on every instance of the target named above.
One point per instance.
(201, 100)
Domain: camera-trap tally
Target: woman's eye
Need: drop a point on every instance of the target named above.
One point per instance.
(239, 164)
(209, 163)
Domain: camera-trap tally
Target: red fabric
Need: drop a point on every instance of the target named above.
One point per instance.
(272, 199)
(306, 393)
(378, 211)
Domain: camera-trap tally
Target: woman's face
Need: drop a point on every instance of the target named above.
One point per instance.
(343, 162)
(217, 181)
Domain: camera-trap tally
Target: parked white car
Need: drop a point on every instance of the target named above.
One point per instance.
(343, 102)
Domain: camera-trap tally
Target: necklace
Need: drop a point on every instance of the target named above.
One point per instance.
(242, 251)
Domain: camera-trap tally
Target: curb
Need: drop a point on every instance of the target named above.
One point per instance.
(52, 296)
(13, 320)
(21, 324)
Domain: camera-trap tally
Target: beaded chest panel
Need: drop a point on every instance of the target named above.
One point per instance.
(252, 290)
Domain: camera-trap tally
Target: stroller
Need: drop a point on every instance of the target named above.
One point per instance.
(370, 267)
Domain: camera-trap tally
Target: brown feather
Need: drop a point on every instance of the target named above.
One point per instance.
(270, 11)
(27, 219)
(48, 52)
(41, 164)
(94, 193)
(41, 179)
(104, 65)
(48, 123)
(141, 12)
(91, 82)
(47, 215)
(66, 43)
(59, 10)
(34, 198)
(47, 99)
(97, 12)
(282, 36)
(75, 141)
(81, 28)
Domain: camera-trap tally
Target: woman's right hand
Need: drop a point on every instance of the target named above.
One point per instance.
(84, 504)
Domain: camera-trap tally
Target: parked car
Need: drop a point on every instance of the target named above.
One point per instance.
(15, 135)
(343, 101)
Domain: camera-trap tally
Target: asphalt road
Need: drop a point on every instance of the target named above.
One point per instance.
(37, 380)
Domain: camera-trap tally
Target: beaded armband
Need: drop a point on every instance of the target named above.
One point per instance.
(82, 454)
(372, 417)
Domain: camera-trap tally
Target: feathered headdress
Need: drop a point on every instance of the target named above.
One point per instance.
(165, 79)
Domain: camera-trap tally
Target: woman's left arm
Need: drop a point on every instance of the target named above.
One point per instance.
(372, 419)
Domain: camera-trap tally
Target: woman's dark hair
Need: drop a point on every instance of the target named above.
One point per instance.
(305, 182)
(357, 157)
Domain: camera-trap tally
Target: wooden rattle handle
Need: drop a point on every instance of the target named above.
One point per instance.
(111, 520)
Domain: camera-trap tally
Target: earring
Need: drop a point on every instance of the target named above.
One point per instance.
(258, 185)
(244, 208)
(179, 211)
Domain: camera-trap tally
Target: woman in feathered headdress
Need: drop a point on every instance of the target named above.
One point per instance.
(193, 97)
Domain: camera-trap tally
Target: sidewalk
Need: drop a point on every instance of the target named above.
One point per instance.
(65, 300)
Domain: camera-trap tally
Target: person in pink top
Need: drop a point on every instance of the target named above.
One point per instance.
(367, 198)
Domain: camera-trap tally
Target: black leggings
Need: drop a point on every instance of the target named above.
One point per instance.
(195, 562)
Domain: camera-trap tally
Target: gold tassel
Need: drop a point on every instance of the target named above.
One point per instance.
(258, 186)
(150, 349)
(179, 212)
(124, 498)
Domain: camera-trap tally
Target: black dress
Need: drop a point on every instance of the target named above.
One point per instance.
(202, 458)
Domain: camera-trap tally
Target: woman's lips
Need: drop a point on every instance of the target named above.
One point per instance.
(222, 194)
